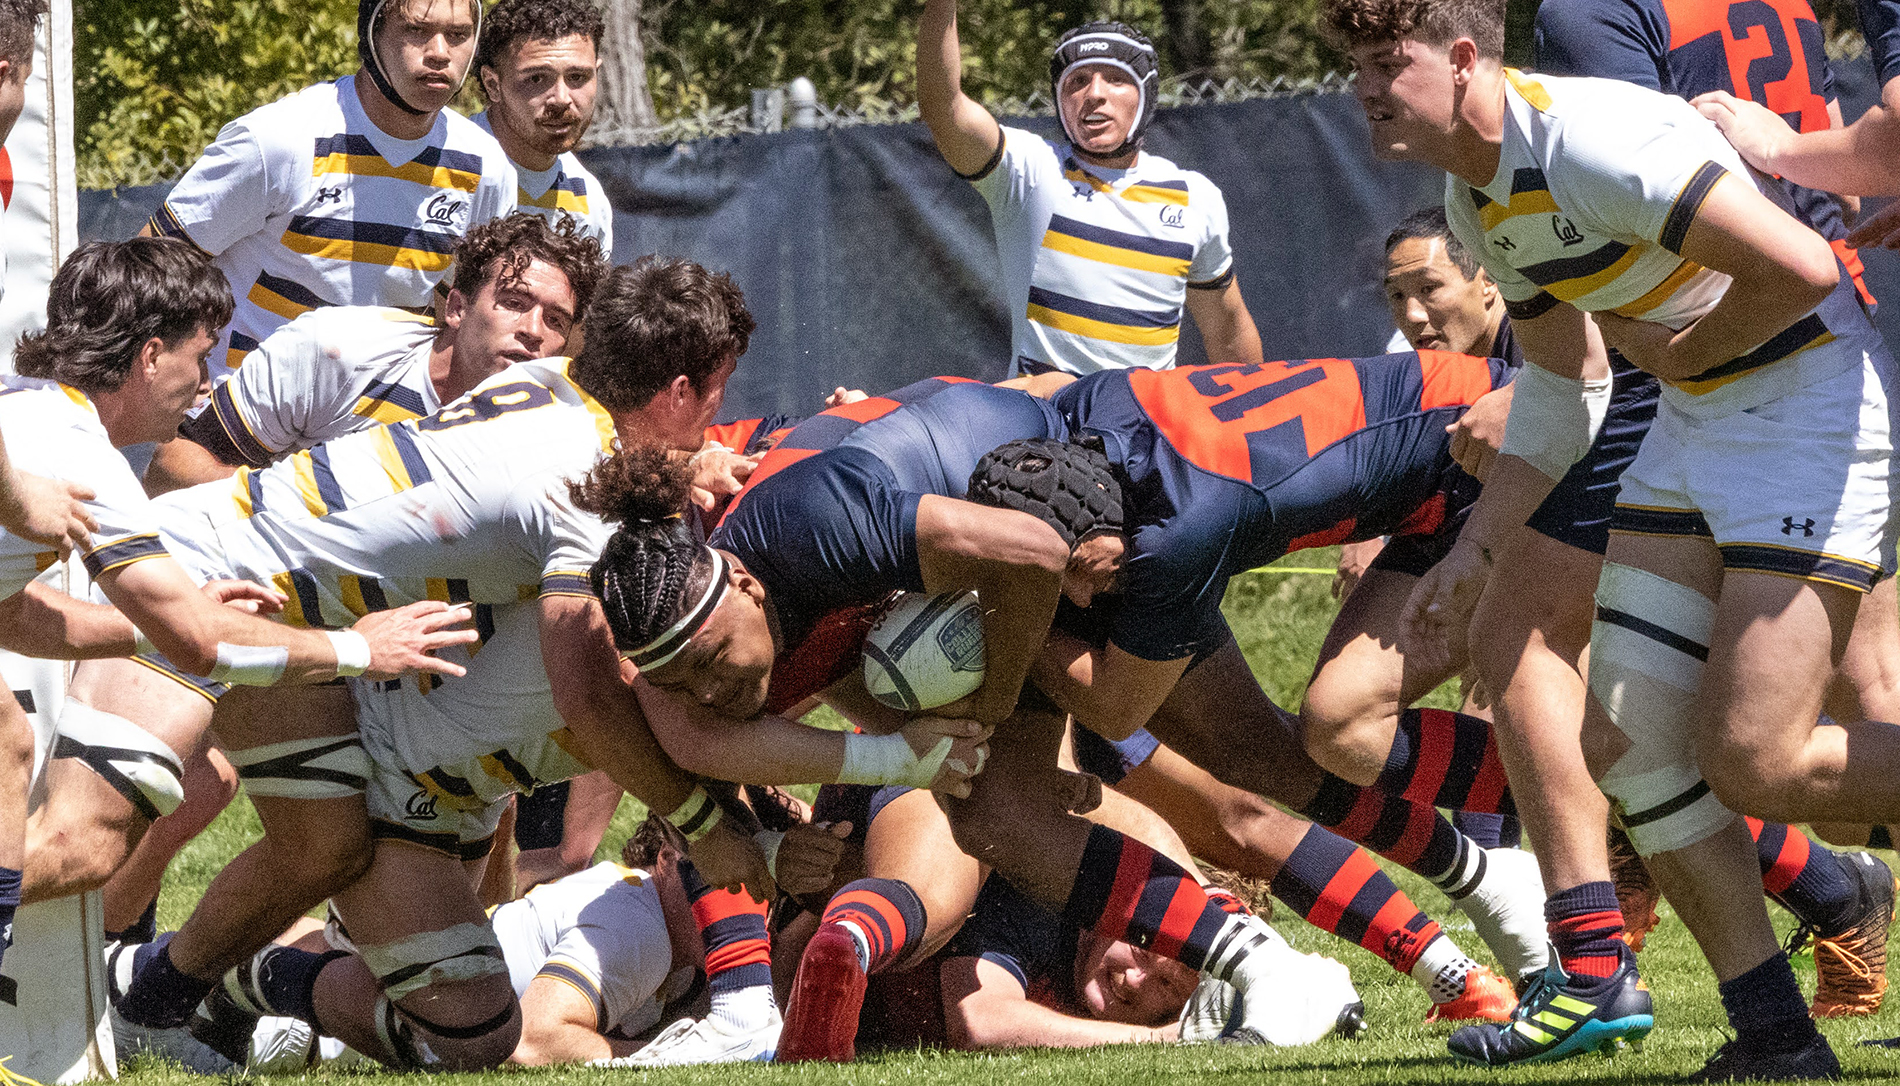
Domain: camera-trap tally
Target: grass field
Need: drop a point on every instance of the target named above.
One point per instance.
(1279, 619)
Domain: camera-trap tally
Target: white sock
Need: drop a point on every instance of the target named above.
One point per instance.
(745, 1010)
(862, 941)
(1441, 970)
(1245, 948)
(1466, 871)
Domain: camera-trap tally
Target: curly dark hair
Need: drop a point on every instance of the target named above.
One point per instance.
(655, 320)
(1354, 23)
(1429, 223)
(112, 297)
(653, 563)
(500, 250)
(511, 21)
(17, 20)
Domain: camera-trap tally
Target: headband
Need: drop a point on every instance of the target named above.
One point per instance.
(668, 644)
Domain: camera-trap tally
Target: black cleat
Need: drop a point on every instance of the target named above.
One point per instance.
(1733, 1063)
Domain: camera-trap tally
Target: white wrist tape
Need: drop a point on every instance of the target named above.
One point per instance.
(352, 652)
(1553, 419)
(696, 817)
(141, 644)
(768, 842)
(248, 665)
(888, 759)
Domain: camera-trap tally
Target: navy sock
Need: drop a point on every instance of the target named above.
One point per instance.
(1489, 830)
(1584, 923)
(1765, 1007)
(287, 979)
(161, 996)
(142, 930)
(10, 880)
(1810, 880)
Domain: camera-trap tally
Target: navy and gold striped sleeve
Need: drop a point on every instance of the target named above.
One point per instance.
(123, 552)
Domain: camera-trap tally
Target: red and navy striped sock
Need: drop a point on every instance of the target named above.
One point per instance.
(1129, 892)
(1585, 921)
(1446, 759)
(886, 912)
(732, 928)
(1413, 835)
(1804, 876)
(1338, 887)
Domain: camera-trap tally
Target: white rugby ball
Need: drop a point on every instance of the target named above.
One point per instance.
(925, 650)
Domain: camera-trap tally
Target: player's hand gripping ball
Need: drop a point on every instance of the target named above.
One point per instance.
(925, 650)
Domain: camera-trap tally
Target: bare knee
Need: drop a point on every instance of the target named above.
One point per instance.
(441, 1026)
(76, 844)
(1753, 779)
(1250, 837)
(1343, 733)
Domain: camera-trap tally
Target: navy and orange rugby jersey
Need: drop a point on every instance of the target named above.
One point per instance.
(1228, 467)
(1767, 51)
(1880, 25)
(828, 520)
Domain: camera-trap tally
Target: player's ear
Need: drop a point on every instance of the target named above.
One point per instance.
(148, 356)
(491, 83)
(743, 580)
(454, 308)
(1464, 60)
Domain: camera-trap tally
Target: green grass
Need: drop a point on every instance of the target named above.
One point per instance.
(1279, 620)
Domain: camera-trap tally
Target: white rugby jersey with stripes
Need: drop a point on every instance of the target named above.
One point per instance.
(565, 190)
(467, 504)
(1097, 263)
(1598, 182)
(306, 203)
(330, 372)
(54, 430)
(603, 931)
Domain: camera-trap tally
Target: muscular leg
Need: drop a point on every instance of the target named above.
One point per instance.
(460, 1013)
(1527, 641)
(210, 785)
(87, 827)
(296, 750)
(16, 778)
(910, 842)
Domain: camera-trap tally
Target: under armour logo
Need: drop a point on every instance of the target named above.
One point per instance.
(421, 805)
(325, 196)
(1566, 231)
(1171, 216)
(1789, 527)
(1503, 244)
(441, 210)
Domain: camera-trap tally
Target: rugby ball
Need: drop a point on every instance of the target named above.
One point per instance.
(925, 650)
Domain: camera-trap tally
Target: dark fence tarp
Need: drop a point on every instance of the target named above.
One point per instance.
(869, 264)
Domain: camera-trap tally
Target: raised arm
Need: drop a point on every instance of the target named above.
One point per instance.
(967, 135)
(1226, 326)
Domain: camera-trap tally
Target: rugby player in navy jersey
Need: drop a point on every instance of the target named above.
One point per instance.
(1859, 159)
(1392, 471)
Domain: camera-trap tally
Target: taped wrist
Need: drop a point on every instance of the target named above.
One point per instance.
(696, 817)
(1553, 419)
(327, 767)
(138, 766)
(249, 665)
(888, 759)
(352, 652)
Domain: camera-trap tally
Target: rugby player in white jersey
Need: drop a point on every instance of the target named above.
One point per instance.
(1103, 244)
(469, 503)
(120, 361)
(536, 67)
(521, 291)
(1751, 521)
(346, 193)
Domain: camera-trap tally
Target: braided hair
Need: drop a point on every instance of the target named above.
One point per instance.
(1067, 486)
(654, 563)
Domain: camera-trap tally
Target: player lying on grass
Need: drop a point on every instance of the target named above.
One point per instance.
(486, 473)
(598, 960)
(801, 558)
(1647, 219)
(120, 361)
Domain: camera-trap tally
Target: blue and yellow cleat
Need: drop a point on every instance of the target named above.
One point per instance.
(1557, 1020)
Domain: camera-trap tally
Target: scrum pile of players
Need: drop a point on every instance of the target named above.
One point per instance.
(459, 528)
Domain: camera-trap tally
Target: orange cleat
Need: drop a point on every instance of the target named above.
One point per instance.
(1636, 892)
(821, 1018)
(1487, 998)
(1850, 968)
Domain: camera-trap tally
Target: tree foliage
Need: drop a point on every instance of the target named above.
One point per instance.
(155, 79)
